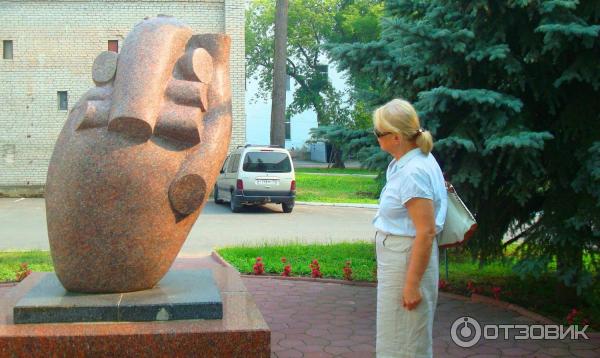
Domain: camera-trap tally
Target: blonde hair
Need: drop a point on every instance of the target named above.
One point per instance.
(399, 117)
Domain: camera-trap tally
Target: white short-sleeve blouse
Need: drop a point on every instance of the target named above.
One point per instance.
(414, 175)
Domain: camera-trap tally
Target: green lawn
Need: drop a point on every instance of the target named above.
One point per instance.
(335, 171)
(331, 258)
(336, 189)
(11, 260)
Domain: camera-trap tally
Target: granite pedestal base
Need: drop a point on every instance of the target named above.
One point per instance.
(242, 332)
(181, 294)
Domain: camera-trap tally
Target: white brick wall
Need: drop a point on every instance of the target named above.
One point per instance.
(54, 45)
(235, 26)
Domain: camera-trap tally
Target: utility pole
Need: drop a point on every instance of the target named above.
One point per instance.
(279, 75)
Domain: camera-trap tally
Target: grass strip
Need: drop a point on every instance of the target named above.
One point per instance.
(331, 258)
(10, 262)
(336, 189)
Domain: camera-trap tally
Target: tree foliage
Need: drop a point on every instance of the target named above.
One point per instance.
(310, 23)
(510, 90)
(358, 21)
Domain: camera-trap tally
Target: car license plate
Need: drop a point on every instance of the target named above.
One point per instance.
(266, 181)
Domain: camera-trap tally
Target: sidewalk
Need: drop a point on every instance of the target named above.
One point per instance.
(314, 319)
(311, 164)
(345, 205)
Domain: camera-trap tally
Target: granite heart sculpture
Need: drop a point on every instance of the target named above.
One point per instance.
(135, 161)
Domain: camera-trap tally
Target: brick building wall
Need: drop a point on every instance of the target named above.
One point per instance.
(54, 44)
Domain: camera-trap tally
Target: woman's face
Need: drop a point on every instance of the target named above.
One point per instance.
(388, 141)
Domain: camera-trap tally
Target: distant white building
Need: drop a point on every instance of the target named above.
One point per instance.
(258, 114)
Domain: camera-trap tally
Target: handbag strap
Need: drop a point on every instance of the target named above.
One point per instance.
(452, 191)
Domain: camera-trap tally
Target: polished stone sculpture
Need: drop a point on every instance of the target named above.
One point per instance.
(137, 157)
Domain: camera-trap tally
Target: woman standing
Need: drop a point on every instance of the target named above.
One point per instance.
(411, 213)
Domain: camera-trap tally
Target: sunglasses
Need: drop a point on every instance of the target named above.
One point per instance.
(379, 134)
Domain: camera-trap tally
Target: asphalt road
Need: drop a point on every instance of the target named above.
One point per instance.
(23, 226)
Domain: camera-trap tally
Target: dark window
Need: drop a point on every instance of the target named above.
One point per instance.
(230, 164)
(288, 130)
(224, 168)
(274, 162)
(287, 82)
(324, 69)
(63, 100)
(321, 78)
(235, 163)
(113, 45)
(7, 49)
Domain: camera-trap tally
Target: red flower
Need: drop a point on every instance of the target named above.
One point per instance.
(259, 267)
(442, 284)
(572, 317)
(348, 271)
(496, 292)
(22, 272)
(470, 286)
(315, 269)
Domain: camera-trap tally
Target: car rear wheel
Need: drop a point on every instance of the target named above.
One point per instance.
(234, 205)
(216, 196)
(287, 208)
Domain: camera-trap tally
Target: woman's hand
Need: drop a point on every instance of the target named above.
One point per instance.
(411, 297)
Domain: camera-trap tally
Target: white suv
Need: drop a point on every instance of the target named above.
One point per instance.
(257, 175)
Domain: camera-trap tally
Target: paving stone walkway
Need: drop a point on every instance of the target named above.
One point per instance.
(312, 319)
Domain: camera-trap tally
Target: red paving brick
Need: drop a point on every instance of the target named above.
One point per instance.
(314, 319)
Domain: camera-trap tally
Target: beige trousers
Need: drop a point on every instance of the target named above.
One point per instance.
(403, 333)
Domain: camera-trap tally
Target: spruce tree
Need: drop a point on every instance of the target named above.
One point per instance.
(511, 91)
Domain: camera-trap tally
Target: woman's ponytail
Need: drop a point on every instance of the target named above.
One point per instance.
(424, 141)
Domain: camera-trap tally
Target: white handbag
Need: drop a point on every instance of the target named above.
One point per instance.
(460, 223)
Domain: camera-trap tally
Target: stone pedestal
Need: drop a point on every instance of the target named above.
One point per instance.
(180, 295)
(242, 332)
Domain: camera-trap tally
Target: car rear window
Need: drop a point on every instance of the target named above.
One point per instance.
(273, 162)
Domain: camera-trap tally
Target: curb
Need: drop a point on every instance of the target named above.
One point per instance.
(341, 174)
(310, 279)
(476, 298)
(221, 261)
(345, 205)
(454, 296)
